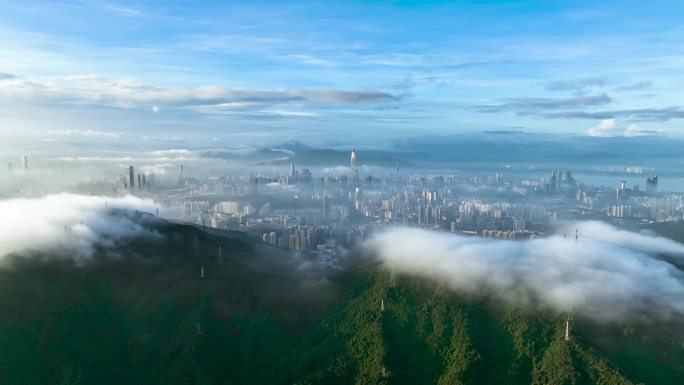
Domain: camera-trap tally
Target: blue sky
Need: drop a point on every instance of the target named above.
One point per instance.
(170, 74)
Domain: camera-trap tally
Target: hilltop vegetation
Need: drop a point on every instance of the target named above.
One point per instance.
(135, 319)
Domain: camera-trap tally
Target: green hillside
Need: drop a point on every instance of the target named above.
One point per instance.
(134, 320)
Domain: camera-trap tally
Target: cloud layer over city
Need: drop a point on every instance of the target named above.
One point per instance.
(69, 226)
(608, 274)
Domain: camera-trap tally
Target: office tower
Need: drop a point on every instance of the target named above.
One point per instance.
(553, 181)
(326, 206)
(556, 179)
(353, 160)
(131, 178)
(144, 182)
(181, 171)
(292, 168)
(652, 184)
(24, 162)
(140, 186)
(355, 171)
(569, 180)
(622, 190)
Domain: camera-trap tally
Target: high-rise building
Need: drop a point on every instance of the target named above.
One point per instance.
(355, 170)
(622, 190)
(131, 178)
(292, 168)
(326, 206)
(353, 160)
(24, 162)
(652, 184)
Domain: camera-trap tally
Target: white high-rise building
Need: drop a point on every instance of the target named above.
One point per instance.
(353, 160)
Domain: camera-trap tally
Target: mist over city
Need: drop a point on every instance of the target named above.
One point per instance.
(352, 192)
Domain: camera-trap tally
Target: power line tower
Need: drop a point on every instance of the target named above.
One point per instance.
(220, 254)
(393, 278)
(382, 305)
(198, 328)
(202, 272)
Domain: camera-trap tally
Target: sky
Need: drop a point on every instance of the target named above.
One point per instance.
(163, 75)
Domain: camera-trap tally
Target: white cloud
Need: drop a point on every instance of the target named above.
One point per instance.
(602, 129)
(608, 127)
(608, 275)
(69, 225)
(129, 93)
(88, 133)
(636, 130)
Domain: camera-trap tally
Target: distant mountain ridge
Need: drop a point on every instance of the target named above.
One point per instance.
(306, 156)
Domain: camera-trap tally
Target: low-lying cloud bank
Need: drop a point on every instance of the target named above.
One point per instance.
(608, 274)
(71, 225)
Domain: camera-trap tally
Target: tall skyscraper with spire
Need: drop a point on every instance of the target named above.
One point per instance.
(353, 160)
(355, 171)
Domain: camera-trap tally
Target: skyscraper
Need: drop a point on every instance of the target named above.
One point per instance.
(326, 206)
(24, 162)
(131, 178)
(652, 184)
(355, 171)
(292, 168)
(353, 160)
